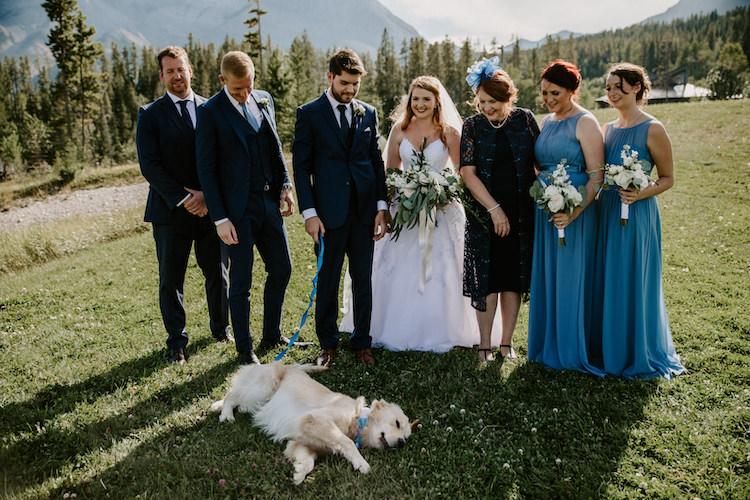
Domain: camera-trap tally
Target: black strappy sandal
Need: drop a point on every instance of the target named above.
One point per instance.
(511, 353)
(488, 356)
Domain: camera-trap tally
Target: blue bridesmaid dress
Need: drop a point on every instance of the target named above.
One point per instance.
(636, 341)
(562, 277)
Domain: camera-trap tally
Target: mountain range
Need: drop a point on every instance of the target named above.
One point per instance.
(357, 24)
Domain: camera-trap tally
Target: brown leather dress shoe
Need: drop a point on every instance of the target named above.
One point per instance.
(365, 357)
(227, 337)
(325, 358)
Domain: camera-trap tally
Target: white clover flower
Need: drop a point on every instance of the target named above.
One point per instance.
(533, 429)
(506, 465)
(462, 411)
(452, 407)
(558, 461)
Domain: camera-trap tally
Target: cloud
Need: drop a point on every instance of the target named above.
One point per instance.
(532, 19)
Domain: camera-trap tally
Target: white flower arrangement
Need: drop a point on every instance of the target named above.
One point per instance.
(419, 188)
(264, 101)
(557, 194)
(359, 110)
(631, 173)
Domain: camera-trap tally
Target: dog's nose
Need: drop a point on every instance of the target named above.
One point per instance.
(401, 442)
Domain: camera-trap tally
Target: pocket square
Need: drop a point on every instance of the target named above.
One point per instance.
(366, 130)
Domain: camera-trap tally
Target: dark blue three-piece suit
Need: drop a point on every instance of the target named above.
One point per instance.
(242, 172)
(166, 152)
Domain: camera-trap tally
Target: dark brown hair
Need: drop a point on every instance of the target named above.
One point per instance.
(632, 73)
(346, 60)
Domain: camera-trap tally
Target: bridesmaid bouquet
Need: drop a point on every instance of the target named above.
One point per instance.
(557, 194)
(630, 173)
(421, 190)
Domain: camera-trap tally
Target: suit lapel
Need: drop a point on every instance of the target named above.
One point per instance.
(170, 110)
(331, 118)
(237, 122)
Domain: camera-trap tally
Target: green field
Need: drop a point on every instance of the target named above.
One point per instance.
(90, 406)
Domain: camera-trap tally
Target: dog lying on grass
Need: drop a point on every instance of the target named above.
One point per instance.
(290, 406)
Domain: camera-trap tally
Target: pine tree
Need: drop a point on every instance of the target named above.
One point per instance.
(388, 80)
(254, 39)
(303, 66)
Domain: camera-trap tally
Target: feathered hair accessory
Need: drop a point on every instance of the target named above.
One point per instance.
(481, 70)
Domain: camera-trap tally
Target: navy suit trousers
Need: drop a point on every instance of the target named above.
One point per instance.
(261, 226)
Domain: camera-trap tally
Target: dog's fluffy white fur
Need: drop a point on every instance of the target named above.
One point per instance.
(290, 406)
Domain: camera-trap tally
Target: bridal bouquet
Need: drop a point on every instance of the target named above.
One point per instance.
(421, 190)
(557, 194)
(630, 173)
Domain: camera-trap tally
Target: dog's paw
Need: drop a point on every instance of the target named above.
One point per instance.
(226, 417)
(361, 465)
(298, 477)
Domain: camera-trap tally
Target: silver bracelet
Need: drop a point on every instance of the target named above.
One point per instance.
(493, 208)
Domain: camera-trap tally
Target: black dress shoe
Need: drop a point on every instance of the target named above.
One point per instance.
(248, 358)
(227, 337)
(177, 356)
(266, 344)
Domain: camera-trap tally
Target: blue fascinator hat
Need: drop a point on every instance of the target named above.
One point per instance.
(481, 70)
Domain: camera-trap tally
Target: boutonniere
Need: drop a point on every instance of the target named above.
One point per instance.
(263, 101)
(359, 110)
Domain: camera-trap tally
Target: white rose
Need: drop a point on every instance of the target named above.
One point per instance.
(423, 179)
(438, 179)
(627, 161)
(551, 191)
(623, 179)
(556, 203)
(616, 169)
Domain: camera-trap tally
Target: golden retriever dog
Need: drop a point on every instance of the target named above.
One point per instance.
(290, 406)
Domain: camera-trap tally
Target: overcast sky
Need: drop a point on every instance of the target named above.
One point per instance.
(529, 19)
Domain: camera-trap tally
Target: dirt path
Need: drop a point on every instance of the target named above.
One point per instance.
(85, 202)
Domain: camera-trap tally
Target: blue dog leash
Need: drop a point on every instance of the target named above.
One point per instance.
(312, 299)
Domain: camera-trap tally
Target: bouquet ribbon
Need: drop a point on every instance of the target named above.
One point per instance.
(426, 241)
(624, 213)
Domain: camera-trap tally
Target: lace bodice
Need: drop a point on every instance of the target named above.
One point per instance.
(436, 153)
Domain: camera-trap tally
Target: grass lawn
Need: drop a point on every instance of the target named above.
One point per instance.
(90, 406)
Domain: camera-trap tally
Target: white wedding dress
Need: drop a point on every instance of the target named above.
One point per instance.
(402, 318)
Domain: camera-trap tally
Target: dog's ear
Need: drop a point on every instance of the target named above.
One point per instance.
(377, 403)
(414, 425)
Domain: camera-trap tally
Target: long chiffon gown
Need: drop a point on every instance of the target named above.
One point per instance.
(562, 277)
(441, 317)
(636, 341)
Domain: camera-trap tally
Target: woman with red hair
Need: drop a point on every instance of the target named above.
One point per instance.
(562, 276)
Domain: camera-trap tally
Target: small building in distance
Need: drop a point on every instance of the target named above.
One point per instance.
(677, 93)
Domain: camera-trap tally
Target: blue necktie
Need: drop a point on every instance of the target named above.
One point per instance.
(249, 117)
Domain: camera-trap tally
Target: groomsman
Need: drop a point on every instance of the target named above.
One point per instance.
(247, 187)
(340, 179)
(165, 138)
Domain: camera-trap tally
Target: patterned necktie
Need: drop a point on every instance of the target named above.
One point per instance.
(185, 115)
(249, 117)
(343, 124)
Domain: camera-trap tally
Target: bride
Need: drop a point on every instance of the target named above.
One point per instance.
(403, 316)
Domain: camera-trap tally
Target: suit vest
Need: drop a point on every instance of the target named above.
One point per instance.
(263, 151)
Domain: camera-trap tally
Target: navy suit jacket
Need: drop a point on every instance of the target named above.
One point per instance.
(166, 153)
(325, 167)
(223, 155)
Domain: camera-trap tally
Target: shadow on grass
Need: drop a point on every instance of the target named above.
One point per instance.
(30, 460)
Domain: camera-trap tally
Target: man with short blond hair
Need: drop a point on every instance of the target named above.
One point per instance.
(247, 187)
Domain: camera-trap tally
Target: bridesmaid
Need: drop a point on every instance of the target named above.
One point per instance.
(562, 277)
(636, 341)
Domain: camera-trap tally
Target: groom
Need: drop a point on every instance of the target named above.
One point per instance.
(340, 180)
